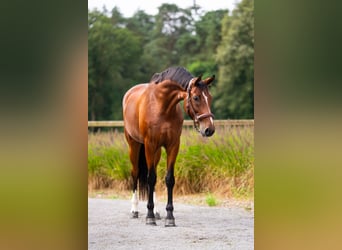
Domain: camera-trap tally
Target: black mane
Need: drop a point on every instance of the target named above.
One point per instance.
(176, 74)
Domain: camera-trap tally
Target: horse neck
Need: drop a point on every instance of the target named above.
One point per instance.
(170, 93)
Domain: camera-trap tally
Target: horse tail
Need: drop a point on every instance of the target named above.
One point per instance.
(142, 173)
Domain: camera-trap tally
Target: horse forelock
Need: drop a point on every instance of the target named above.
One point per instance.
(176, 74)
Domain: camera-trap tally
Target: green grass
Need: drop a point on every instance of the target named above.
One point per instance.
(211, 200)
(222, 164)
(108, 158)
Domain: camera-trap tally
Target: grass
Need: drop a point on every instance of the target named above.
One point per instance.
(222, 164)
(211, 200)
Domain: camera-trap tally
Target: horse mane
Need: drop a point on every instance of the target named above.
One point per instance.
(176, 74)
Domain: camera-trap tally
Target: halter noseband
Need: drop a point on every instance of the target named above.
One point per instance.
(196, 118)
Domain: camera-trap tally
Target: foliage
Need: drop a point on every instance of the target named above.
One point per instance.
(223, 163)
(211, 200)
(125, 51)
(235, 55)
(108, 159)
(112, 52)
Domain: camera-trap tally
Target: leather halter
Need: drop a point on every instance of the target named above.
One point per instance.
(189, 107)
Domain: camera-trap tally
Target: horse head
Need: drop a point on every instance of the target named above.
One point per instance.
(197, 105)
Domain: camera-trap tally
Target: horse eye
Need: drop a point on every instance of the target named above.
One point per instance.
(196, 98)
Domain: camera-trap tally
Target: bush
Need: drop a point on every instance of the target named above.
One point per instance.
(223, 163)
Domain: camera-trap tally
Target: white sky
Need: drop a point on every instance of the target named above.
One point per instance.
(129, 7)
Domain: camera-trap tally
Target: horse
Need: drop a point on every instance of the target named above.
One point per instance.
(153, 119)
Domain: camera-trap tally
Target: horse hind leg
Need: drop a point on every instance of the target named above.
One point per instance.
(134, 149)
(134, 200)
(134, 209)
(155, 210)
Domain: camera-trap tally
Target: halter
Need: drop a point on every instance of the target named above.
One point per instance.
(196, 118)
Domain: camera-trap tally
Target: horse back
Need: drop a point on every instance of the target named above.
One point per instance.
(144, 116)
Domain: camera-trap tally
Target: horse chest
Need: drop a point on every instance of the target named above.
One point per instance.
(163, 132)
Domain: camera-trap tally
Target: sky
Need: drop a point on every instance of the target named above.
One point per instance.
(129, 7)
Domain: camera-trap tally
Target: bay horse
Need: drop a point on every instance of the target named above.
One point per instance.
(153, 119)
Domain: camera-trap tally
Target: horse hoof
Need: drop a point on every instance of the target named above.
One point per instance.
(135, 214)
(170, 223)
(151, 221)
(157, 215)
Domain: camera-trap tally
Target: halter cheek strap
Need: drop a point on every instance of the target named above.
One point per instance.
(189, 107)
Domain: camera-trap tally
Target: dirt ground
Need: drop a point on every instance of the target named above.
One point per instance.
(228, 226)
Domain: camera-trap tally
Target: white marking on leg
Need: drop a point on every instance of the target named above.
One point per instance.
(134, 202)
(155, 210)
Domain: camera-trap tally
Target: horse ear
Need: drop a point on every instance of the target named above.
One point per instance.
(209, 80)
(198, 79)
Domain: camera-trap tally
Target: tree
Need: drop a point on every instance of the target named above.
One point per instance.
(235, 56)
(113, 58)
(208, 30)
(207, 37)
(141, 24)
(126, 51)
(171, 23)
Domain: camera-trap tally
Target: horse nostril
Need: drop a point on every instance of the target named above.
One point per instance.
(208, 132)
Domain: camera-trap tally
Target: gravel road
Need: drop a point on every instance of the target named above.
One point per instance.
(197, 227)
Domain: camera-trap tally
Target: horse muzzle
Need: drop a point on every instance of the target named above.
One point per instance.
(206, 128)
(208, 132)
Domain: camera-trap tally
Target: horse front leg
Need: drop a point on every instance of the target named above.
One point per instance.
(170, 182)
(172, 152)
(151, 180)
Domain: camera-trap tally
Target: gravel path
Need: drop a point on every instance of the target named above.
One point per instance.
(197, 227)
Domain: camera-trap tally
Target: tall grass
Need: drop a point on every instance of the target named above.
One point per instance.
(223, 163)
(108, 160)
